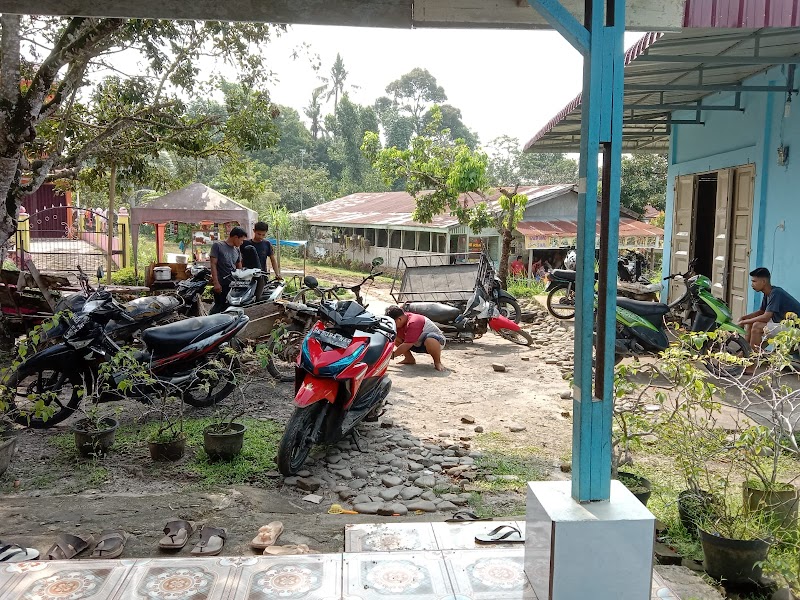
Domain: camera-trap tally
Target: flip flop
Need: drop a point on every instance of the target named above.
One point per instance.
(68, 545)
(267, 535)
(505, 534)
(17, 553)
(462, 516)
(177, 533)
(110, 545)
(212, 539)
(287, 549)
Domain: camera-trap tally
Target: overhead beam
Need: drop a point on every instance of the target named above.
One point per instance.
(676, 107)
(665, 121)
(720, 60)
(705, 87)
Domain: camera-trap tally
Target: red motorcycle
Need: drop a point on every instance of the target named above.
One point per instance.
(340, 379)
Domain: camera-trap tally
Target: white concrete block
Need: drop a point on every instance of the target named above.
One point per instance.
(598, 550)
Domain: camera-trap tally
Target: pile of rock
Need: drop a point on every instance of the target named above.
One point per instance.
(390, 472)
(553, 339)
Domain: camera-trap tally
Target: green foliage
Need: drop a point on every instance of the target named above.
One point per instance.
(508, 165)
(300, 188)
(502, 457)
(521, 287)
(413, 93)
(644, 181)
(126, 276)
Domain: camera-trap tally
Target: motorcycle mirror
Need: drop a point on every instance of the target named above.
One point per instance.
(99, 273)
(310, 282)
(377, 262)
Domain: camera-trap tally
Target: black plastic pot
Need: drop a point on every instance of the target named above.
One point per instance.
(167, 451)
(778, 504)
(638, 486)
(694, 507)
(93, 440)
(7, 447)
(735, 561)
(224, 444)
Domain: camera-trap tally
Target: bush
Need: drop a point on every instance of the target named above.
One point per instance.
(126, 276)
(521, 287)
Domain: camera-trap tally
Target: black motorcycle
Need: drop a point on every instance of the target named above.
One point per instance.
(249, 285)
(47, 387)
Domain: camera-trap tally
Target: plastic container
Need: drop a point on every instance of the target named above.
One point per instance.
(162, 273)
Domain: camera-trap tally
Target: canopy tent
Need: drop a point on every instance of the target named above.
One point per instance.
(192, 204)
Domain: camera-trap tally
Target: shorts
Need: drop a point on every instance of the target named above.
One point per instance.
(420, 345)
(772, 329)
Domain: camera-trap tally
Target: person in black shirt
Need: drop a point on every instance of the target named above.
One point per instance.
(263, 248)
(777, 302)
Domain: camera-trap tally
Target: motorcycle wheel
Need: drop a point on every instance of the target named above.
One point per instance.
(203, 392)
(521, 337)
(284, 348)
(736, 346)
(510, 309)
(67, 389)
(561, 303)
(298, 438)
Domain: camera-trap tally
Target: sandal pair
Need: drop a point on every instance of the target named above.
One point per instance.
(17, 553)
(110, 544)
(177, 534)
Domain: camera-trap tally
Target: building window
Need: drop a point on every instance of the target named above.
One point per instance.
(441, 243)
(369, 234)
(394, 239)
(409, 240)
(382, 239)
(424, 241)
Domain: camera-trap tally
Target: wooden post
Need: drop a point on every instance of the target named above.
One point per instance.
(38, 279)
(112, 192)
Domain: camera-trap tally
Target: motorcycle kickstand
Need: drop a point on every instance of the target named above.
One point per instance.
(354, 434)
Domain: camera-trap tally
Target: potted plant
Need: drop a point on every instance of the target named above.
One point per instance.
(95, 433)
(223, 438)
(168, 442)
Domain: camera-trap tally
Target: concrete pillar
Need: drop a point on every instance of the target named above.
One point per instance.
(23, 234)
(124, 223)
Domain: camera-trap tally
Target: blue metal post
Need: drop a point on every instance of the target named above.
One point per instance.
(601, 130)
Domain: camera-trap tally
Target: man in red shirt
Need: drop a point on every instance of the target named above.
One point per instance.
(416, 333)
(517, 266)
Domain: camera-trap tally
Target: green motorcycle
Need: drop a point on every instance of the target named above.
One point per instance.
(641, 326)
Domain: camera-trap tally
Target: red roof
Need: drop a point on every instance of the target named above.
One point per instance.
(569, 228)
(741, 13)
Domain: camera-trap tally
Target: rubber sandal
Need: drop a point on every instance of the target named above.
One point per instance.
(267, 535)
(68, 545)
(17, 553)
(287, 549)
(462, 516)
(505, 534)
(177, 533)
(212, 539)
(110, 545)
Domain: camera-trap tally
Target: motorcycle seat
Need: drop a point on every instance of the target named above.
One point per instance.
(643, 308)
(168, 339)
(435, 311)
(377, 342)
(563, 275)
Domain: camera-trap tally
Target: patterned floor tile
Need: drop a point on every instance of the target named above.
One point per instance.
(461, 536)
(185, 578)
(64, 580)
(661, 590)
(498, 574)
(389, 537)
(309, 577)
(381, 576)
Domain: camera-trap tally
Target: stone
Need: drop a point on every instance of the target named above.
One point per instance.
(391, 493)
(455, 499)
(346, 494)
(334, 458)
(368, 508)
(465, 438)
(406, 444)
(525, 358)
(429, 495)
(313, 498)
(337, 466)
(383, 469)
(508, 477)
(444, 434)
(516, 427)
(415, 466)
(304, 473)
(468, 419)
(427, 481)
(387, 423)
(385, 459)
(360, 473)
(422, 505)
(416, 457)
(499, 367)
(357, 484)
(551, 361)
(391, 480)
(398, 463)
(272, 474)
(310, 484)
(436, 468)
(566, 414)
(566, 467)
(409, 492)
(345, 474)
(360, 499)
(478, 429)
(399, 509)
(446, 506)
(491, 478)
(566, 395)
(467, 460)
(385, 510)
(291, 480)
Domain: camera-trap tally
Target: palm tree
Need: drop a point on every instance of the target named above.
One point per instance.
(338, 76)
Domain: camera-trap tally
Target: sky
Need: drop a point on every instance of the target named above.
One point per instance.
(505, 82)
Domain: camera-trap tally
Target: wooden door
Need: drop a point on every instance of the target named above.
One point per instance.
(740, 232)
(719, 268)
(682, 226)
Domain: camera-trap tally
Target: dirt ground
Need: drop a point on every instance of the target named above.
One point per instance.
(48, 489)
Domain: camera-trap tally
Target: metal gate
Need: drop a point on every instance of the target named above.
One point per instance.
(60, 238)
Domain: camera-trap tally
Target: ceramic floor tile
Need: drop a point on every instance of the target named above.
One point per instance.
(396, 575)
(184, 578)
(660, 589)
(308, 577)
(461, 536)
(496, 574)
(389, 537)
(65, 580)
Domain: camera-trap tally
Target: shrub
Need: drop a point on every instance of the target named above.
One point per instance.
(126, 276)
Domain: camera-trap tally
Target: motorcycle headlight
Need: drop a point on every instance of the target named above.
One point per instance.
(81, 329)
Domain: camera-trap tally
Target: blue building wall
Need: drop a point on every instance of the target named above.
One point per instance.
(730, 139)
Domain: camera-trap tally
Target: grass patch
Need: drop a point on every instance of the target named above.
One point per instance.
(521, 287)
(512, 465)
(335, 272)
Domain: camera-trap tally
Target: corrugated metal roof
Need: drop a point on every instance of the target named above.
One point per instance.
(395, 208)
(569, 227)
(662, 60)
(741, 13)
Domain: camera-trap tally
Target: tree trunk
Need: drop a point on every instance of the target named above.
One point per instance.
(508, 237)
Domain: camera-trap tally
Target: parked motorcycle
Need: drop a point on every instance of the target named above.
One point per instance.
(249, 284)
(177, 353)
(341, 379)
(506, 303)
(641, 327)
(480, 315)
